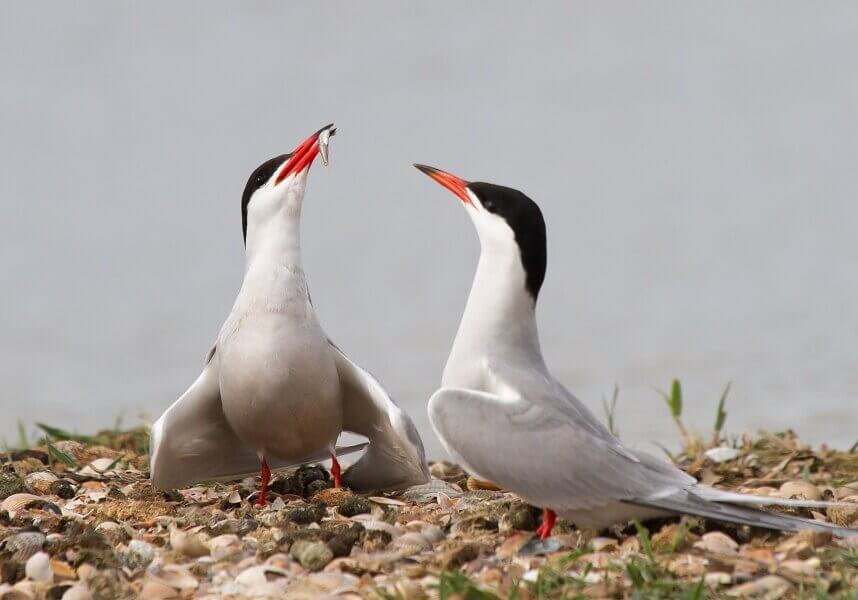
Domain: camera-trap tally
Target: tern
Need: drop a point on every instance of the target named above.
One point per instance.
(275, 391)
(505, 418)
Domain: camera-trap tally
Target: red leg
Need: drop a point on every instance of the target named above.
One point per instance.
(335, 471)
(266, 477)
(548, 518)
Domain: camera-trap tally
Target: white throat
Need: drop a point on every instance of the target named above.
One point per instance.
(499, 319)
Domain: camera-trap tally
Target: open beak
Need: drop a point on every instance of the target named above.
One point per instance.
(304, 154)
(451, 182)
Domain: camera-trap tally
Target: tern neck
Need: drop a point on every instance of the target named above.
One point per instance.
(276, 241)
(500, 316)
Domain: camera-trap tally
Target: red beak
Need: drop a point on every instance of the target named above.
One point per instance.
(302, 157)
(451, 182)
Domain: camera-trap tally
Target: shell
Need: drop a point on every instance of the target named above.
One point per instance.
(23, 545)
(188, 543)
(155, 590)
(717, 543)
(803, 490)
(258, 575)
(17, 502)
(412, 543)
(38, 567)
(474, 484)
(387, 501)
(77, 592)
(224, 546)
(175, 576)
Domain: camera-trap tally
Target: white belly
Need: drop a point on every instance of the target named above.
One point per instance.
(279, 385)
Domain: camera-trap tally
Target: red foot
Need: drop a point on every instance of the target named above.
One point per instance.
(548, 518)
(266, 477)
(336, 472)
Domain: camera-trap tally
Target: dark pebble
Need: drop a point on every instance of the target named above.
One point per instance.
(354, 505)
(304, 515)
(62, 488)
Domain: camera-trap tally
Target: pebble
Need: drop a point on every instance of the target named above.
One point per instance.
(354, 505)
(188, 543)
(313, 556)
(139, 554)
(38, 567)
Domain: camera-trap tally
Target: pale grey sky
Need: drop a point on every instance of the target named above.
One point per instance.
(695, 163)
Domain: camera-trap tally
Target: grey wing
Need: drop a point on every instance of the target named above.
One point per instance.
(192, 441)
(547, 392)
(541, 455)
(395, 458)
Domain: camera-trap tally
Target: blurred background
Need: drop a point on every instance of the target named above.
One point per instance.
(695, 164)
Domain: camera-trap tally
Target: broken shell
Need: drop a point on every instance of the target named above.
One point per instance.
(77, 592)
(412, 543)
(474, 484)
(23, 545)
(717, 543)
(62, 570)
(387, 501)
(770, 587)
(187, 543)
(721, 454)
(717, 578)
(17, 502)
(38, 567)
(40, 482)
(155, 590)
(224, 546)
(259, 575)
(113, 531)
(802, 490)
(175, 576)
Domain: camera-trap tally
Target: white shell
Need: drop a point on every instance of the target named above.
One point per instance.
(77, 592)
(17, 502)
(38, 567)
(721, 454)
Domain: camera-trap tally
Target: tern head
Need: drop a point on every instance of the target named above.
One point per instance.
(504, 218)
(277, 185)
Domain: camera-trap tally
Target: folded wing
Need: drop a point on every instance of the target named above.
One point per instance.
(395, 458)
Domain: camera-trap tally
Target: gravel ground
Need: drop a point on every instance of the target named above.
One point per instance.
(78, 520)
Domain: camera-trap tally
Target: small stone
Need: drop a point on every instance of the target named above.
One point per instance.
(373, 540)
(38, 567)
(313, 556)
(304, 515)
(10, 484)
(717, 578)
(801, 490)
(314, 487)
(62, 488)
(521, 519)
(138, 555)
(460, 556)
(717, 543)
(354, 505)
(770, 587)
(187, 543)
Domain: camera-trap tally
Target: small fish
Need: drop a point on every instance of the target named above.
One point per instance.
(324, 140)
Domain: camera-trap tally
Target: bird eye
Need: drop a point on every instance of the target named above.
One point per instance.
(260, 180)
(488, 205)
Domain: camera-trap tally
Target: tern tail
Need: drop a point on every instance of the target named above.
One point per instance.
(692, 504)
